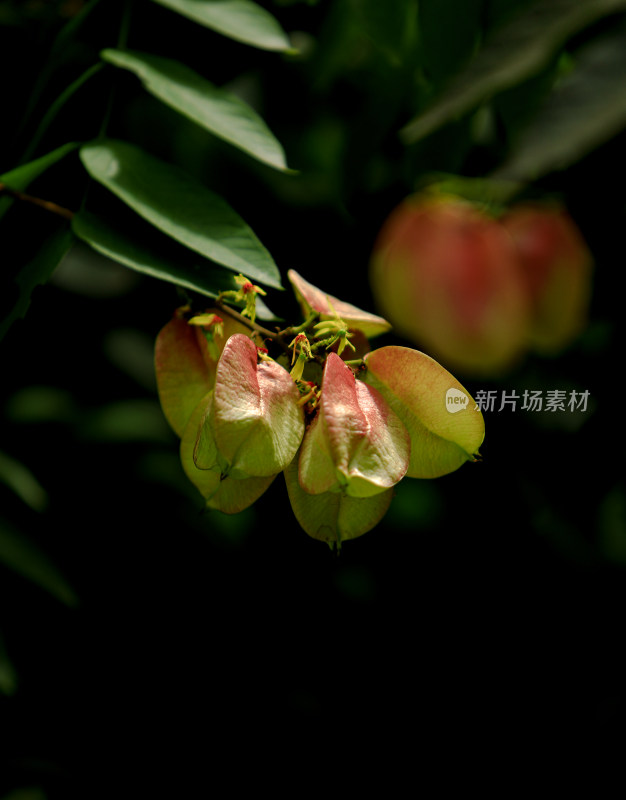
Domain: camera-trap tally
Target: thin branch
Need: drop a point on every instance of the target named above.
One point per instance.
(293, 330)
(56, 106)
(122, 39)
(275, 336)
(48, 205)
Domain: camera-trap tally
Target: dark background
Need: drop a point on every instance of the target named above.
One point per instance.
(487, 606)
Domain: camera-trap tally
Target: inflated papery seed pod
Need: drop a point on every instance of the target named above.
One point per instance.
(185, 363)
(241, 415)
(334, 517)
(556, 267)
(254, 424)
(314, 300)
(221, 492)
(356, 444)
(445, 426)
(446, 275)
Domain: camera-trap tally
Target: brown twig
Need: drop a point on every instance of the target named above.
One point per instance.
(275, 336)
(48, 205)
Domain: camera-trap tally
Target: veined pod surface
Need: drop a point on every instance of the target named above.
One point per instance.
(356, 444)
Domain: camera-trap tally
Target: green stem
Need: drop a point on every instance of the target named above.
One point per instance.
(70, 28)
(294, 330)
(56, 106)
(59, 47)
(323, 343)
(275, 336)
(122, 39)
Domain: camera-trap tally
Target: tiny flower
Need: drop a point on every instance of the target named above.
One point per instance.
(310, 394)
(262, 353)
(298, 368)
(300, 342)
(246, 294)
(299, 359)
(212, 326)
(337, 332)
(208, 320)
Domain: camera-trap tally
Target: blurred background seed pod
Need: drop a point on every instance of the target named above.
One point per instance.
(446, 275)
(556, 267)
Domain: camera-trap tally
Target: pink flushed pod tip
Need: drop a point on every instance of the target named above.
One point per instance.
(312, 299)
(356, 444)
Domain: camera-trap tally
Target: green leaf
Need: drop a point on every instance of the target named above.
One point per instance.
(217, 110)
(586, 109)
(513, 109)
(175, 203)
(19, 178)
(449, 31)
(37, 272)
(241, 20)
(151, 253)
(8, 676)
(444, 435)
(26, 793)
(334, 517)
(24, 557)
(391, 25)
(19, 478)
(35, 404)
(136, 420)
(518, 49)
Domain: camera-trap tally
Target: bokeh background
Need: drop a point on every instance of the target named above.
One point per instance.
(138, 633)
